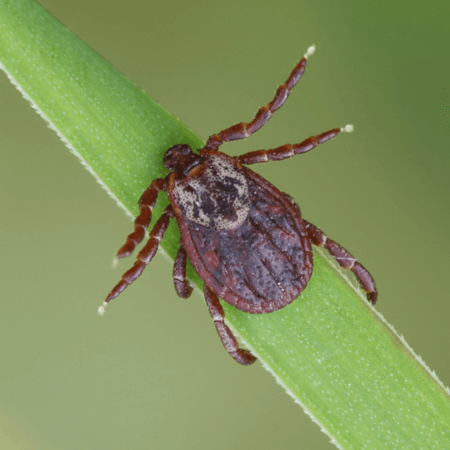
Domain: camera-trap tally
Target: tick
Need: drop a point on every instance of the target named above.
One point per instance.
(246, 239)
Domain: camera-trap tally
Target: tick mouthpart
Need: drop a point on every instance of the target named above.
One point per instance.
(181, 159)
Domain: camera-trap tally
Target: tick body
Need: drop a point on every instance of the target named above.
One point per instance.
(246, 239)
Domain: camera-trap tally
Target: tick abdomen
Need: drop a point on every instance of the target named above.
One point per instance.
(262, 264)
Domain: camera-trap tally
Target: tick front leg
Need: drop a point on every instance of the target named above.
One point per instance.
(245, 129)
(142, 221)
(345, 260)
(230, 343)
(182, 287)
(290, 150)
(143, 257)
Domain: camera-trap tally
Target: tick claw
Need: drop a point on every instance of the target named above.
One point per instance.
(102, 308)
(310, 51)
(348, 128)
(115, 262)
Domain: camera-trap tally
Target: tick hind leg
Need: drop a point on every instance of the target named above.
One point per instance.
(230, 343)
(245, 129)
(182, 287)
(345, 260)
(143, 257)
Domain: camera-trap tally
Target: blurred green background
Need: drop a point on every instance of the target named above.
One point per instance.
(152, 373)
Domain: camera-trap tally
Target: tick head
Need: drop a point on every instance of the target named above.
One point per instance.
(180, 159)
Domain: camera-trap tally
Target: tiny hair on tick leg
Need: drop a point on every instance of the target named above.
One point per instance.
(246, 239)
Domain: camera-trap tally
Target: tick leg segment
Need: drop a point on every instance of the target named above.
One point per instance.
(345, 260)
(182, 287)
(143, 257)
(230, 343)
(290, 150)
(142, 221)
(245, 129)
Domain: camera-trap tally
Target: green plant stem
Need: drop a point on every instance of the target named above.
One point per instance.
(330, 349)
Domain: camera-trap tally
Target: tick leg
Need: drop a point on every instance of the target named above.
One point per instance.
(345, 260)
(184, 290)
(143, 257)
(142, 221)
(245, 129)
(230, 343)
(290, 150)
